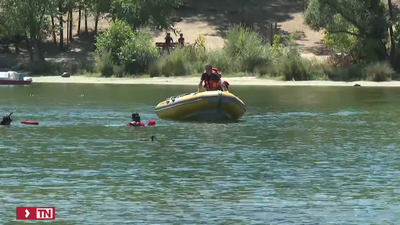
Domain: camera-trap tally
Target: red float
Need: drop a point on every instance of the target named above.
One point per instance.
(141, 124)
(28, 122)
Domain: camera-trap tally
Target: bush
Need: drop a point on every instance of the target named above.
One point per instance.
(287, 63)
(342, 60)
(223, 62)
(111, 41)
(138, 52)
(56, 67)
(179, 62)
(296, 68)
(123, 51)
(244, 51)
(247, 48)
(351, 73)
(42, 68)
(105, 64)
(378, 71)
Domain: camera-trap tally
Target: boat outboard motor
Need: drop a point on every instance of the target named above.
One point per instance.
(6, 120)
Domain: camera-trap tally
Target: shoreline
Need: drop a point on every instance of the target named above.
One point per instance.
(193, 81)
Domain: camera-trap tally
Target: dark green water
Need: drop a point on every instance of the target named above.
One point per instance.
(301, 155)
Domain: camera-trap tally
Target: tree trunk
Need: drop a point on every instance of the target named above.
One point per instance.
(29, 47)
(96, 23)
(60, 10)
(70, 24)
(17, 39)
(68, 30)
(53, 30)
(243, 11)
(38, 47)
(86, 26)
(35, 40)
(79, 19)
(392, 43)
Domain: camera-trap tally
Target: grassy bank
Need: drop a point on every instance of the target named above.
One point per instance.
(122, 52)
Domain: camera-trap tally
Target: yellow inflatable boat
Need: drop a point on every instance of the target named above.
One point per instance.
(203, 106)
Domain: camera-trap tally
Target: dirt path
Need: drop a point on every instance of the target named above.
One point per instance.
(212, 19)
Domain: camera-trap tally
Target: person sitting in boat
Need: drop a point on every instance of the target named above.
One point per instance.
(6, 121)
(211, 80)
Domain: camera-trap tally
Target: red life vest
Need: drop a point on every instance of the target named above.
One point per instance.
(210, 84)
(141, 124)
(136, 124)
(215, 69)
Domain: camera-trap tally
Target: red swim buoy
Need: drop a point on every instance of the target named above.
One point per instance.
(141, 124)
(28, 122)
(136, 124)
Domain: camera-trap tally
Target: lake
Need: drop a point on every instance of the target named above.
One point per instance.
(300, 155)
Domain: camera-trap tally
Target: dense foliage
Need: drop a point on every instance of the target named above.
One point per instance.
(356, 27)
(36, 19)
(245, 52)
(361, 29)
(126, 51)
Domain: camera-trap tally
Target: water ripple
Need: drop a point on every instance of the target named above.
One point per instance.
(294, 166)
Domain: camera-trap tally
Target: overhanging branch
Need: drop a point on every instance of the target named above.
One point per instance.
(349, 19)
(345, 32)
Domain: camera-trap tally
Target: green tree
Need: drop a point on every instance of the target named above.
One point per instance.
(391, 34)
(158, 14)
(30, 16)
(112, 40)
(98, 8)
(360, 24)
(132, 50)
(10, 26)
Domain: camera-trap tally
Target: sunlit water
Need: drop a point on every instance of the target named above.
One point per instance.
(299, 156)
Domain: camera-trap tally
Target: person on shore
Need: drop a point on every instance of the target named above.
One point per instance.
(168, 39)
(212, 80)
(181, 40)
(168, 42)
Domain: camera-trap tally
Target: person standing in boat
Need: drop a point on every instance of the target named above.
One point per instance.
(212, 80)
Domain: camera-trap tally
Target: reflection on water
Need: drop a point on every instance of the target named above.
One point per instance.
(299, 156)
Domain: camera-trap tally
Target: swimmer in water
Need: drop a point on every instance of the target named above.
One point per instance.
(6, 121)
(136, 120)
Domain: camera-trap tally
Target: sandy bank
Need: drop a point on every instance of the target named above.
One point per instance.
(234, 81)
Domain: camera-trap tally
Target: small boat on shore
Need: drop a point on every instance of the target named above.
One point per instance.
(216, 106)
(14, 78)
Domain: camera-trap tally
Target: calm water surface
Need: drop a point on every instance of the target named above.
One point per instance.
(301, 155)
